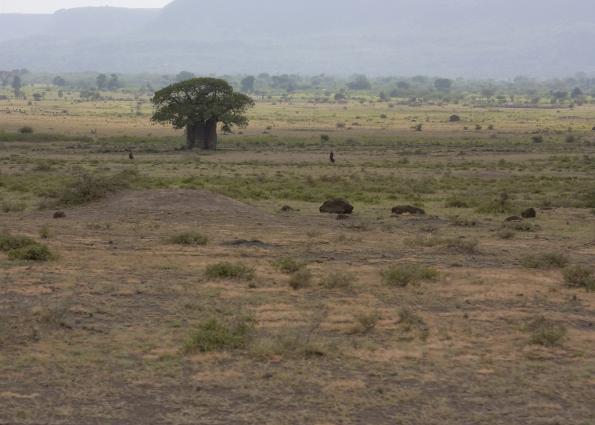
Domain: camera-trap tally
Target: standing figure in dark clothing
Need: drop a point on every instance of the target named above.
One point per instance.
(332, 157)
(131, 155)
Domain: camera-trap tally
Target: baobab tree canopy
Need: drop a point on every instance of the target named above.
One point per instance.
(199, 105)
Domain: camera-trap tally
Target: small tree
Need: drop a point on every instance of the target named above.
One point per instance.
(59, 81)
(17, 84)
(198, 105)
(248, 84)
(101, 81)
(113, 83)
(184, 75)
(443, 84)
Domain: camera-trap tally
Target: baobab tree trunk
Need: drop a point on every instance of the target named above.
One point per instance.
(190, 136)
(202, 134)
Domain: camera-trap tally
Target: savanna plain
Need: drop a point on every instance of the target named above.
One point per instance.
(186, 287)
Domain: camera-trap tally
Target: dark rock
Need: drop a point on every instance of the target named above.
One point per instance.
(454, 118)
(593, 128)
(407, 209)
(286, 208)
(529, 213)
(514, 218)
(336, 206)
(59, 214)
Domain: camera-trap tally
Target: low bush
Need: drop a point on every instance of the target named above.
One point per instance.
(406, 274)
(544, 261)
(91, 187)
(301, 279)
(287, 265)
(546, 332)
(189, 239)
(34, 252)
(218, 335)
(229, 271)
(26, 130)
(338, 280)
(9, 242)
(579, 277)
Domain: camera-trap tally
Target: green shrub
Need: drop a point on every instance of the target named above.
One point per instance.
(301, 279)
(579, 277)
(35, 252)
(410, 321)
(499, 205)
(226, 270)
(217, 335)
(521, 226)
(26, 130)
(189, 239)
(406, 274)
(287, 265)
(90, 187)
(338, 280)
(546, 332)
(544, 261)
(9, 242)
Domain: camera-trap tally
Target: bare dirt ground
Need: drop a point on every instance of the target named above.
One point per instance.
(96, 336)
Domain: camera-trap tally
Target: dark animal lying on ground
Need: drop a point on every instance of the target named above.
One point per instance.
(336, 206)
(407, 209)
(529, 213)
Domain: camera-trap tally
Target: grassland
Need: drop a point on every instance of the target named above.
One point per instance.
(271, 317)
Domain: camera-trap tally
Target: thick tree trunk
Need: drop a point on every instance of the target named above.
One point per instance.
(190, 136)
(206, 134)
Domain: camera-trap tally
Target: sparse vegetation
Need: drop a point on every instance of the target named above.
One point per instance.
(579, 277)
(338, 280)
(301, 279)
(408, 274)
(551, 260)
(227, 270)
(90, 187)
(546, 332)
(220, 335)
(287, 265)
(189, 239)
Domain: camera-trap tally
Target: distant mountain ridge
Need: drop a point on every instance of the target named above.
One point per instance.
(470, 38)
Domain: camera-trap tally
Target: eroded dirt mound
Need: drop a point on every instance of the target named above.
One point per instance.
(168, 205)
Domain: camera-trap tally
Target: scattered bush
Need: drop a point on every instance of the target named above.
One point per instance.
(34, 252)
(410, 321)
(546, 332)
(544, 261)
(189, 239)
(9, 206)
(217, 335)
(44, 232)
(338, 280)
(499, 205)
(325, 138)
(90, 187)
(364, 323)
(301, 279)
(287, 265)
(506, 234)
(406, 274)
(26, 130)
(229, 271)
(579, 277)
(537, 139)
(9, 242)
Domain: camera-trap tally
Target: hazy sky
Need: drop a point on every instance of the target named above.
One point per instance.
(49, 6)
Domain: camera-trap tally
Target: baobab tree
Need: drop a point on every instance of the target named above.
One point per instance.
(199, 105)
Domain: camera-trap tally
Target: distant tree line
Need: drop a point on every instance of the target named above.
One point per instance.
(327, 88)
